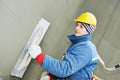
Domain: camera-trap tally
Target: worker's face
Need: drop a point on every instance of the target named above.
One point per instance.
(80, 29)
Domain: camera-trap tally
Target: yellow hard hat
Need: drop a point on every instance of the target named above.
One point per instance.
(88, 18)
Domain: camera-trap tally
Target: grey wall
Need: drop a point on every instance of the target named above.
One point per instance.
(17, 21)
(19, 17)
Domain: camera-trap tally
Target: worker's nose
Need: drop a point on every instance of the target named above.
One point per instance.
(77, 27)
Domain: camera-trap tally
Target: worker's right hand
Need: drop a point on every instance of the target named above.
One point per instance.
(34, 50)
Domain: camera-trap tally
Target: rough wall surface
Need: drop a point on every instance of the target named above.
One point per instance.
(17, 21)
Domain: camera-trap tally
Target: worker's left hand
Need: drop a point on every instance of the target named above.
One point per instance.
(47, 77)
(34, 50)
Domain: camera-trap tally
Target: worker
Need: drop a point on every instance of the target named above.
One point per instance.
(80, 59)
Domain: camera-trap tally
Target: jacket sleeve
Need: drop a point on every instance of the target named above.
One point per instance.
(73, 61)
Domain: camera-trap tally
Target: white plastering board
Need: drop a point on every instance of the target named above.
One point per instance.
(24, 59)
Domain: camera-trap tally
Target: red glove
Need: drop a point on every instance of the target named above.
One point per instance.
(36, 53)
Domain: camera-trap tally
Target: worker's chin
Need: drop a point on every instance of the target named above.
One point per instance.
(77, 34)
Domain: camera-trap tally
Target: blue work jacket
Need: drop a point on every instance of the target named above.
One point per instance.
(79, 60)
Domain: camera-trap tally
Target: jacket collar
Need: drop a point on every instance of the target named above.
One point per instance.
(76, 39)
